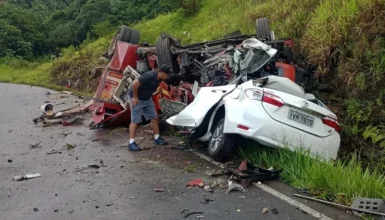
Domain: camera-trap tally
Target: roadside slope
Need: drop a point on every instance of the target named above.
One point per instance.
(342, 40)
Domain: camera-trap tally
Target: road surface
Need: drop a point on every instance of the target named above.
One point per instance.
(123, 186)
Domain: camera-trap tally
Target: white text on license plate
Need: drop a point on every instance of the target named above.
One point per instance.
(301, 118)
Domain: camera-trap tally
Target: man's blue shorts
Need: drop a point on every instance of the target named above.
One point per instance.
(145, 108)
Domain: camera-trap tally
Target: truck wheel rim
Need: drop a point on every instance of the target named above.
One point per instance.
(217, 138)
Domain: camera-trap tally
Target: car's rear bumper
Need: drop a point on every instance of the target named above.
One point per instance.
(267, 131)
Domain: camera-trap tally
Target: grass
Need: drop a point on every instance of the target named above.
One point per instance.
(35, 74)
(74, 64)
(341, 181)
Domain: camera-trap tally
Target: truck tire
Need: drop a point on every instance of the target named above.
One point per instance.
(135, 37)
(165, 55)
(221, 145)
(263, 29)
(124, 34)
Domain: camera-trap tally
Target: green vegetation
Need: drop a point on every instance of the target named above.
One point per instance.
(31, 28)
(341, 181)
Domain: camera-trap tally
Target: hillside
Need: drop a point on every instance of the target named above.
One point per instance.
(344, 41)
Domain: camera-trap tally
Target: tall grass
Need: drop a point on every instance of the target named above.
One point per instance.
(342, 180)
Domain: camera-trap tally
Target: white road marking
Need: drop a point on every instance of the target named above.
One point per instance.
(275, 193)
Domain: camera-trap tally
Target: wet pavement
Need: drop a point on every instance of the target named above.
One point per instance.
(123, 185)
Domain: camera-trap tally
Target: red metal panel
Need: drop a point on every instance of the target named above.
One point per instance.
(288, 70)
(125, 54)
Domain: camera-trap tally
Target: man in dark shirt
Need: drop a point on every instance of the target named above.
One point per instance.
(140, 99)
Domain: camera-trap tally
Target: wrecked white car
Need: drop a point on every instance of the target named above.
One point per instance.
(272, 110)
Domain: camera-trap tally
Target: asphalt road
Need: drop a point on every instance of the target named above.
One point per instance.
(123, 186)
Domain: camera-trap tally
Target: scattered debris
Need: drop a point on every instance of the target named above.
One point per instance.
(208, 188)
(47, 109)
(275, 211)
(191, 169)
(56, 210)
(65, 133)
(48, 122)
(94, 140)
(206, 200)
(242, 197)
(10, 130)
(9, 161)
(159, 190)
(200, 216)
(110, 204)
(47, 101)
(238, 210)
(70, 146)
(186, 213)
(35, 209)
(54, 152)
(26, 176)
(66, 92)
(219, 182)
(47, 93)
(265, 210)
(94, 166)
(247, 171)
(214, 173)
(71, 121)
(196, 182)
(96, 207)
(235, 186)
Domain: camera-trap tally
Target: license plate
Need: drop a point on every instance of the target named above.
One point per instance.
(301, 118)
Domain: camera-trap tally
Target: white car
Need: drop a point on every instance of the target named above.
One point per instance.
(273, 111)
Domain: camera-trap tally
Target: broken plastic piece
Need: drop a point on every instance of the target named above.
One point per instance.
(197, 182)
(235, 186)
(71, 121)
(208, 188)
(186, 213)
(265, 210)
(27, 176)
(159, 190)
(206, 200)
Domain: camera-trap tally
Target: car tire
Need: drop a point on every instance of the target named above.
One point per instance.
(124, 34)
(263, 29)
(165, 55)
(221, 145)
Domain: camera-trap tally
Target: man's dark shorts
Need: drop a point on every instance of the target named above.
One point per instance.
(145, 108)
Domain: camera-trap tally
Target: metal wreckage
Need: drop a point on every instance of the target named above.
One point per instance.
(216, 70)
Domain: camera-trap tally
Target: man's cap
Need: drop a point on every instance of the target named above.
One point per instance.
(165, 68)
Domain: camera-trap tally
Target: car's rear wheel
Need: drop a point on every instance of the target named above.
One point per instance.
(221, 145)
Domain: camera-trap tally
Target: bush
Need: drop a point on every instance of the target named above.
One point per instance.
(191, 7)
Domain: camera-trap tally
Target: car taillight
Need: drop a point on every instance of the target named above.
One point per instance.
(272, 100)
(332, 123)
(254, 94)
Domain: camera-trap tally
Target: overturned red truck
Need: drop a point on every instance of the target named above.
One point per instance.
(213, 63)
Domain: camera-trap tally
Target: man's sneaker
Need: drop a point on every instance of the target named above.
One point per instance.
(160, 141)
(134, 147)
